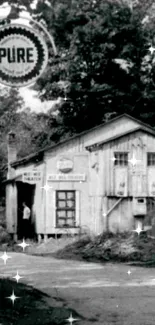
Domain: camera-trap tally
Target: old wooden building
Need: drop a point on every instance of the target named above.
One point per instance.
(102, 179)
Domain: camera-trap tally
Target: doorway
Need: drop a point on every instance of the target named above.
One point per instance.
(25, 193)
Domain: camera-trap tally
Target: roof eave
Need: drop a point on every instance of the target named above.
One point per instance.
(37, 156)
(97, 146)
(28, 158)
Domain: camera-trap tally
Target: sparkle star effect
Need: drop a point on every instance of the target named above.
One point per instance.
(13, 297)
(5, 257)
(138, 230)
(151, 49)
(71, 319)
(113, 159)
(17, 277)
(133, 161)
(129, 272)
(104, 214)
(46, 187)
(23, 245)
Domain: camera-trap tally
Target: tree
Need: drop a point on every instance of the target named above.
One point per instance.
(30, 128)
(99, 64)
(10, 102)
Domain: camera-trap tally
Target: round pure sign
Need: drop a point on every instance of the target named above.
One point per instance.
(23, 55)
(65, 165)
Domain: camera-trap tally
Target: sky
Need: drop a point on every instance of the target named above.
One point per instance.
(31, 100)
(30, 96)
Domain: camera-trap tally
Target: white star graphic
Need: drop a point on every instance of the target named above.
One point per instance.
(113, 159)
(23, 245)
(151, 49)
(129, 272)
(138, 230)
(71, 319)
(12, 297)
(104, 214)
(133, 161)
(46, 187)
(17, 277)
(5, 257)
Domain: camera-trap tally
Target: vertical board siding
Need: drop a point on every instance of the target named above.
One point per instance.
(151, 181)
(80, 166)
(39, 209)
(120, 219)
(11, 208)
(101, 133)
(98, 193)
(137, 145)
(14, 207)
(51, 211)
(121, 181)
(77, 211)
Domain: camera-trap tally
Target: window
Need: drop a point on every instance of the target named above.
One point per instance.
(121, 158)
(65, 209)
(151, 158)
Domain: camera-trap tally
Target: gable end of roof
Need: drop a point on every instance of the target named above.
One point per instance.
(95, 146)
(34, 156)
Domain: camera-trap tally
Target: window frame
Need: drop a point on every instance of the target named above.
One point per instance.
(66, 209)
(151, 160)
(124, 161)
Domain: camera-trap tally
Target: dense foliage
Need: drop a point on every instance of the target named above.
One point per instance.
(103, 68)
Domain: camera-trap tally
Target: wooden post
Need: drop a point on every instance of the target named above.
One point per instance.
(15, 237)
(39, 238)
(104, 212)
(45, 238)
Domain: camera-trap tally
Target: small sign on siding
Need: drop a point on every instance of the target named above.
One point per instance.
(65, 165)
(66, 177)
(32, 177)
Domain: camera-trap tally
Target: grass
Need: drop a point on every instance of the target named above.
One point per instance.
(126, 247)
(107, 247)
(31, 308)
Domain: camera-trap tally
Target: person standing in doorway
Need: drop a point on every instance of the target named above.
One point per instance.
(26, 220)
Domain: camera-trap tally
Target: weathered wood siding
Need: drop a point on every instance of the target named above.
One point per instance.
(138, 179)
(109, 130)
(105, 177)
(98, 134)
(80, 166)
(121, 218)
(11, 208)
(101, 189)
(39, 206)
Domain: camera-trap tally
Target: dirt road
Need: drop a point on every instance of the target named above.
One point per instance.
(103, 294)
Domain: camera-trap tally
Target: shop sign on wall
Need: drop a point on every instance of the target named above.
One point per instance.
(23, 55)
(65, 165)
(67, 178)
(32, 177)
